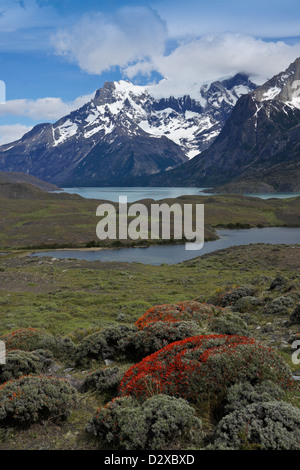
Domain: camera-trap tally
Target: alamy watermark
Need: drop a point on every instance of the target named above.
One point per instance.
(156, 221)
(296, 354)
(2, 92)
(2, 352)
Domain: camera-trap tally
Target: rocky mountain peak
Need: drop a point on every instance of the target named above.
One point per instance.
(125, 123)
(284, 87)
(227, 91)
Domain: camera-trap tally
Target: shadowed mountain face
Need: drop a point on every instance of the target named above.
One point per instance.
(124, 134)
(260, 142)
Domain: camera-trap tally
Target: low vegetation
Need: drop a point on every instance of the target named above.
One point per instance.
(49, 220)
(125, 356)
(31, 399)
(160, 422)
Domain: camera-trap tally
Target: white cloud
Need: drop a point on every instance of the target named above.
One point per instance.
(213, 56)
(50, 109)
(99, 42)
(135, 39)
(13, 132)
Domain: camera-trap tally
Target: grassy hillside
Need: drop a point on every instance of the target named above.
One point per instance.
(33, 218)
(19, 177)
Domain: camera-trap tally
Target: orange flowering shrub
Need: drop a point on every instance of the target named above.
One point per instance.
(189, 310)
(30, 399)
(30, 339)
(25, 339)
(201, 367)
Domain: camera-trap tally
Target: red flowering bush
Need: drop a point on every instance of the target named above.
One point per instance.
(30, 399)
(178, 312)
(201, 367)
(30, 339)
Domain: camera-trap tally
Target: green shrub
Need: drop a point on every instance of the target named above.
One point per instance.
(231, 297)
(31, 399)
(104, 344)
(228, 324)
(106, 380)
(243, 394)
(45, 357)
(278, 306)
(248, 304)
(31, 339)
(265, 426)
(156, 336)
(20, 363)
(161, 422)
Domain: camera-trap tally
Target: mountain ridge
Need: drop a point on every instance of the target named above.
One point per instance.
(259, 141)
(124, 135)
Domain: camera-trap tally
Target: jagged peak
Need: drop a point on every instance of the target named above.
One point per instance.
(121, 87)
(284, 87)
(237, 80)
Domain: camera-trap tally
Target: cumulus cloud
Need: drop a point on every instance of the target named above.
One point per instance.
(134, 39)
(10, 133)
(50, 109)
(100, 42)
(213, 56)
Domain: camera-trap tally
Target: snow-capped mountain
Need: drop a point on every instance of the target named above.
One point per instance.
(123, 133)
(194, 124)
(284, 87)
(260, 141)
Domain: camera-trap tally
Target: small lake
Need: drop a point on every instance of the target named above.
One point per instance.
(136, 194)
(133, 194)
(172, 254)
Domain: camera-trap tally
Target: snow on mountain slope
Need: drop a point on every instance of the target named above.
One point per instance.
(191, 124)
(125, 130)
(284, 87)
(259, 142)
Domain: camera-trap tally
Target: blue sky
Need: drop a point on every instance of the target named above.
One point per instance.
(55, 53)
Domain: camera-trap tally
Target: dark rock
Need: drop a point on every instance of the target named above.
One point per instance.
(295, 317)
(278, 282)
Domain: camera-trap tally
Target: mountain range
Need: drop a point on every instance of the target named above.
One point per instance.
(234, 136)
(125, 134)
(258, 148)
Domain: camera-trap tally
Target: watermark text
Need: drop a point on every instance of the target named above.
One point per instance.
(2, 353)
(155, 221)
